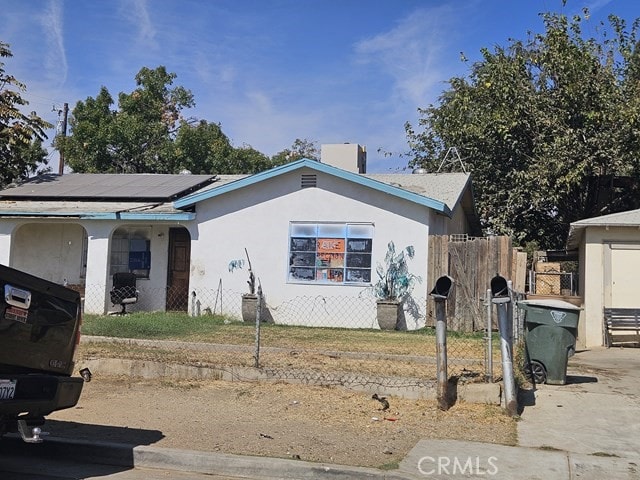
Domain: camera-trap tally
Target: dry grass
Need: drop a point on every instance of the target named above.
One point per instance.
(368, 352)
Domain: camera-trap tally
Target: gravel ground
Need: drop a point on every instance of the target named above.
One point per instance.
(276, 420)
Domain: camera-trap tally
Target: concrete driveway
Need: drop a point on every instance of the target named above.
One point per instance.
(596, 413)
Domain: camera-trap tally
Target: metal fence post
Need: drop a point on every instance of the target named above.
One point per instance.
(258, 312)
(502, 299)
(440, 293)
(193, 303)
(489, 338)
(514, 326)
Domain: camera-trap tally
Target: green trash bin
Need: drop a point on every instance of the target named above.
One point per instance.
(551, 329)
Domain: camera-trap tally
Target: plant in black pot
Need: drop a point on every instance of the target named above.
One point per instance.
(393, 288)
(249, 300)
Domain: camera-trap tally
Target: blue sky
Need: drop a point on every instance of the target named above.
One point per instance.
(271, 71)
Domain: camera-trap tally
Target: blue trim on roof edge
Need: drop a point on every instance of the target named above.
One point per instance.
(196, 197)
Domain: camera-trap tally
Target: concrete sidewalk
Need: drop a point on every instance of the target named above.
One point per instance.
(587, 429)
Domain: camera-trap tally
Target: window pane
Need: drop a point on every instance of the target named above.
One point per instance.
(303, 230)
(359, 245)
(358, 275)
(299, 244)
(331, 230)
(302, 259)
(302, 273)
(360, 231)
(138, 245)
(330, 245)
(336, 275)
(359, 260)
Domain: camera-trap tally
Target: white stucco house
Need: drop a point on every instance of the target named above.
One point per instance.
(313, 231)
(609, 259)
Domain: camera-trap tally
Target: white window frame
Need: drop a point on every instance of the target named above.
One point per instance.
(125, 240)
(330, 253)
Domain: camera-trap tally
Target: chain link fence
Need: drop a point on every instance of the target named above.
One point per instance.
(321, 340)
(554, 283)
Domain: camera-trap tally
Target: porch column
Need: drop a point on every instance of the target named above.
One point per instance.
(97, 280)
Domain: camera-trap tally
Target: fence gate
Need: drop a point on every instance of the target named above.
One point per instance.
(472, 262)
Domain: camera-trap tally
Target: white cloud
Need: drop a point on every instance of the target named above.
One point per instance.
(55, 61)
(136, 13)
(412, 52)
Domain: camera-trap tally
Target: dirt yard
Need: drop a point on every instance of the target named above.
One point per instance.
(275, 420)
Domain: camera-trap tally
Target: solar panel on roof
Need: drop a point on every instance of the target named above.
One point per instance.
(108, 186)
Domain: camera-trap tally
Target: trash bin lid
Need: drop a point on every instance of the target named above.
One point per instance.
(551, 312)
(550, 303)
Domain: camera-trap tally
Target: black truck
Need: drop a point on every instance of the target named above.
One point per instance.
(39, 333)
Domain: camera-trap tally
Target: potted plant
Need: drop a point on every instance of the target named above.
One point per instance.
(249, 300)
(394, 286)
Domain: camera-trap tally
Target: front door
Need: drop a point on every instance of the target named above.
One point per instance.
(179, 261)
(623, 266)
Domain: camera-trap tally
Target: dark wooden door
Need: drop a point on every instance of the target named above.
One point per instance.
(179, 261)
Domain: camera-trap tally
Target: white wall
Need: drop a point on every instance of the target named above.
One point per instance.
(597, 276)
(258, 219)
(52, 249)
(49, 250)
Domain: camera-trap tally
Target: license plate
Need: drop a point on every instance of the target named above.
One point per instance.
(17, 314)
(7, 389)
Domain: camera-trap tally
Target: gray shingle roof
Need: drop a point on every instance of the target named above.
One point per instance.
(444, 187)
(629, 218)
(89, 186)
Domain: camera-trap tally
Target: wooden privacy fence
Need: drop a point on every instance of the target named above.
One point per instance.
(472, 262)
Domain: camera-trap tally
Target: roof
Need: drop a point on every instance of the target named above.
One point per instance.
(95, 186)
(445, 187)
(93, 210)
(440, 192)
(166, 197)
(630, 218)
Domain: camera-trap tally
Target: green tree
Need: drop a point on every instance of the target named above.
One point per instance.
(147, 133)
(90, 148)
(247, 159)
(548, 129)
(203, 148)
(21, 135)
(301, 148)
(138, 137)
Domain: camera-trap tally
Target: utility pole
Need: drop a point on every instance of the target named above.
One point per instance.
(63, 132)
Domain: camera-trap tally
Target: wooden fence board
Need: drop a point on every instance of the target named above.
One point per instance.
(472, 264)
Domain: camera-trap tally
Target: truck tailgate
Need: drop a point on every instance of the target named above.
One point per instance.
(39, 324)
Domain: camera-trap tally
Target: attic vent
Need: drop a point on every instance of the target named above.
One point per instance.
(308, 180)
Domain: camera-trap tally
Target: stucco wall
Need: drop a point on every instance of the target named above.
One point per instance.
(53, 250)
(595, 262)
(258, 219)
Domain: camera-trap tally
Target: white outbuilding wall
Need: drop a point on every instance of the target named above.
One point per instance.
(610, 262)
